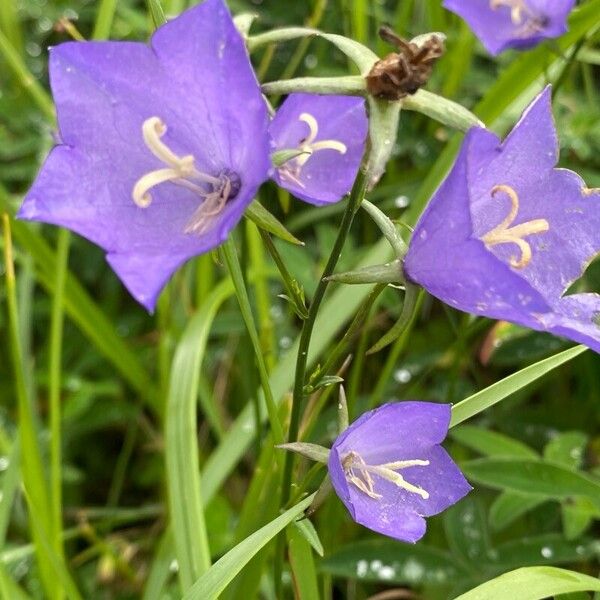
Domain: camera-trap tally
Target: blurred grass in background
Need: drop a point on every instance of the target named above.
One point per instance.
(85, 371)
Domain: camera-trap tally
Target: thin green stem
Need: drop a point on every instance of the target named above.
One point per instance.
(156, 12)
(291, 285)
(235, 270)
(356, 197)
(261, 292)
(54, 387)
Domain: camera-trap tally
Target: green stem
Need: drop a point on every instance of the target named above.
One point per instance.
(291, 285)
(356, 197)
(235, 270)
(56, 336)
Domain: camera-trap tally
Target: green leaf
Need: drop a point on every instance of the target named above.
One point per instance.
(532, 477)
(181, 442)
(532, 583)
(261, 217)
(218, 577)
(384, 117)
(549, 549)
(566, 449)
(307, 529)
(466, 530)
(509, 385)
(390, 562)
(491, 443)
(509, 506)
(303, 566)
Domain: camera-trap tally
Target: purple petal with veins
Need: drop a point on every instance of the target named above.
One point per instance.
(157, 160)
(507, 233)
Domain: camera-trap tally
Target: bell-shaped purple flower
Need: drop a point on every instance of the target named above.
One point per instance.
(390, 471)
(331, 132)
(507, 233)
(502, 24)
(163, 146)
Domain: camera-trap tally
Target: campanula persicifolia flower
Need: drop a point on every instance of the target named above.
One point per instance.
(507, 233)
(331, 132)
(162, 146)
(390, 471)
(502, 24)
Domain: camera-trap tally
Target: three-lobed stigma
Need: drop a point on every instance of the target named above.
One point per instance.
(360, 474)
(181, 170)
(292, 169)
(505, 234)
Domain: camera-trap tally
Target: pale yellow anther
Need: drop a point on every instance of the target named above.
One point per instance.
(354, 462)
(505, 234)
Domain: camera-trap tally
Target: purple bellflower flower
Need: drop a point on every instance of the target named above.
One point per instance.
(162, 146)
(502, 24)
(331, 132)
(390, 471)
(507, 233)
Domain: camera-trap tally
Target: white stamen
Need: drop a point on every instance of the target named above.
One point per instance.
(181, 169)
(353, 462)
(308, 146)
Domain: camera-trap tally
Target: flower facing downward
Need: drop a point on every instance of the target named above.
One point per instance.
(162, 146)
(330, 132)
(502, 24)
(507, 234)
(390, 471)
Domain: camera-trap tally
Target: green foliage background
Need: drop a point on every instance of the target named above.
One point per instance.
(74, 338)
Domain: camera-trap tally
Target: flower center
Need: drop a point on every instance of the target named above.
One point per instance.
(215, 192)
(308, 146)
(521, 14)
(504, 234)
(359, 474)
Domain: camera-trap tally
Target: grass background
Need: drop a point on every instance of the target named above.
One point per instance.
(96, 395)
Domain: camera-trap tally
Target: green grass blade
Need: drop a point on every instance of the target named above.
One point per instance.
(10, 25)
(509, 385)
(81, 308)
(54, 389)
(24, 77)
(533, 583)
(10, 485)
(181, 444)
(32, 465)
(160, 570)
(218, 577)
(104, 19)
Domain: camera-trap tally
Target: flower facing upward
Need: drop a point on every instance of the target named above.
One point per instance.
(162, 146)
(390, 471)
(502, 24)
(330, 131)
(507, 234)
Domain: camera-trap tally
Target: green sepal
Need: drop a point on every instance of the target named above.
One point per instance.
(280, 157)
(350, 85)
(310, 451)
(387, 273)
(442, 110)
(243, 23)
(323, 382)
(384, 117)
(261, 217)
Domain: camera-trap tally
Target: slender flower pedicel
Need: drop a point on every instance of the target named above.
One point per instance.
(507, 233)
(390, 471)
(502, 24)
(163, 146)
(331, 132)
